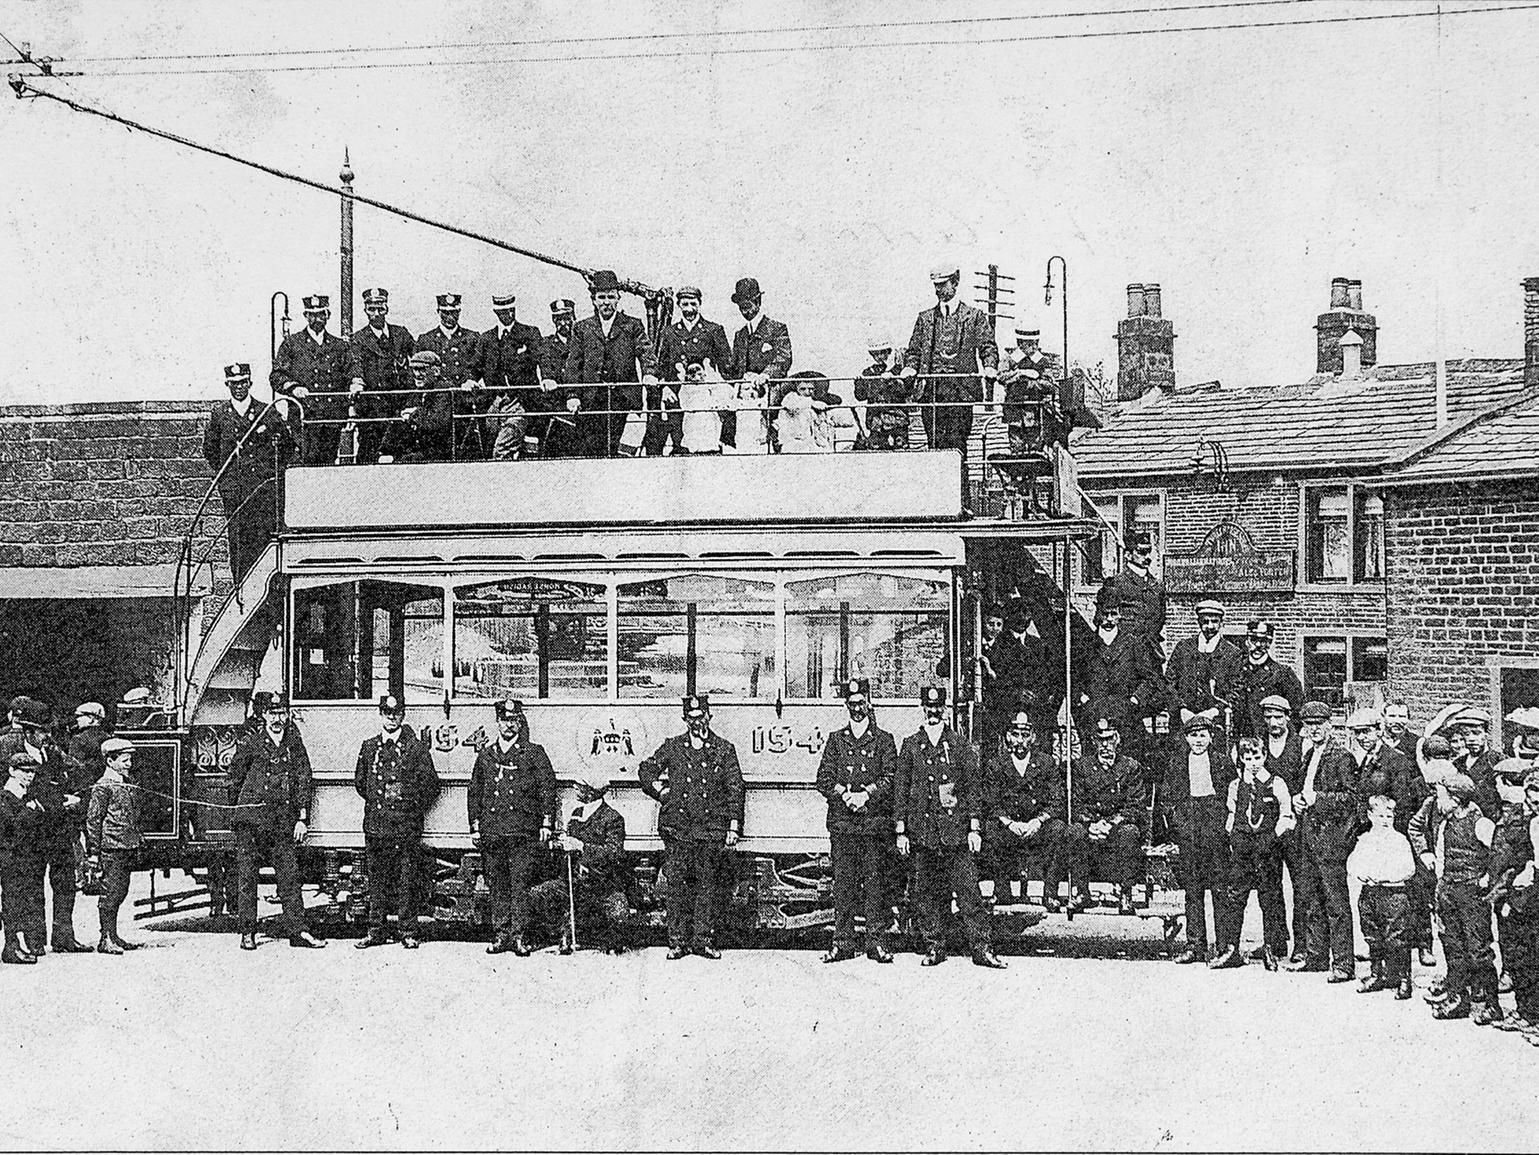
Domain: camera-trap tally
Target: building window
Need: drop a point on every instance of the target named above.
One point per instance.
(1343, 535)
(1139, 512)
(1516, 687)
(1325, 670)
(1346, 672)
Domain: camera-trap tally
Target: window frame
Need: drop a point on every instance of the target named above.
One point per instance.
(1350, 640)
(1124, 497)
(1357, 495)
(1500, 708)
(603, 581)
(302, 582)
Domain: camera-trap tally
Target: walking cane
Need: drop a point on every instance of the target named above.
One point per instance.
(571, 901)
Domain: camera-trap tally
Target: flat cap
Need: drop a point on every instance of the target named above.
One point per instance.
(90, 710)
(688, 291)
(116, 746)
(1315, 712)
(426, 357)
(1364, 718)
(1473, 716)
(1195, 723)
(1210, 606)
(944, 270)
(1276, 702)
(21, 760)
(1525, 716)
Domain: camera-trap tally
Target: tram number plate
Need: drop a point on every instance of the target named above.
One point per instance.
(782, 739)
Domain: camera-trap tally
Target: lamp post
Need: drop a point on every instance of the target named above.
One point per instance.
(1067, 575)
(1065, 400)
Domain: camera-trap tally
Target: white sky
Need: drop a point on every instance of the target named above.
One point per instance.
(1240, 169)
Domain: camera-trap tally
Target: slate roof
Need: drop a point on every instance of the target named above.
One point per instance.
(1501, 442)
(1323, 424)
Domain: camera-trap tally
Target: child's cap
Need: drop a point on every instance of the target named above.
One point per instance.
(1459, 785)
(1436, 747)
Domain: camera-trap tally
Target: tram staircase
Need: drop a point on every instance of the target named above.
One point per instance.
(222, 674)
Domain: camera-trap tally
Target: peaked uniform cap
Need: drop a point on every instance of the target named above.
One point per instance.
(317, 303)
(448, 300)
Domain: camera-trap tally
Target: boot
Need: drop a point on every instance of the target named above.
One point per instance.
(1194, 953)
(838, 954)
(1227, 959)
(934, 956)
(1488, 1010)
(410, 941)
(677, 951)
(65, 942)
(124, 943)
(13, 953)
(706, 950)
(107, 946)
(500, 945)
(1268, 959)
(1457, 1006)
(1403, 991)
(306, 940)
(248, 942)
(879, 953)
(520, 947)
(984, 957)
(375, 937)
(1425, 957)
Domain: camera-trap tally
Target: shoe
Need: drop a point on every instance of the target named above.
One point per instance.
(1504, 984)
(520, 947)
(677, 952)
(1457, 1007)
(37, 951)
(708, 951)
(1340, 977)
(838, 954)
(1227, 959)
(125, 945)
(373, 938)
(1304, 966)
(1488, 1012)
(1268, 959)
(1375, 983)
(1192, 954)
(248, 942)
(410, 941)
(1425, 957)
(17, 955)
(1403, 991)
(1256, 955)
(984, 957)
(933, 958)
(1437, 991)
(107, 946)
(500, 945)
(71, 946)
(879, 954)
(306, 940)
(1295, 960)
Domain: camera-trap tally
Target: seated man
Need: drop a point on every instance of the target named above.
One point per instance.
(595, 837)
(425, 430)
(1105, 828)
(1024, 791)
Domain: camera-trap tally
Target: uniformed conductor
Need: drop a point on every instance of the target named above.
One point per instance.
(397, 780)
(512, 804)
(855, 775)
(702, 813)
(938, 815)
(271, 788)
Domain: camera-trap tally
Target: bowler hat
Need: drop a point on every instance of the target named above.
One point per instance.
(602, 281)
(747, 289)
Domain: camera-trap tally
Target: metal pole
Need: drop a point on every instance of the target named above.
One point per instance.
(1068, 700)
(1065, 392)
(345, 314)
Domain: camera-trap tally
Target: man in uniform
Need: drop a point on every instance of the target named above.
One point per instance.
(855, 775)
(508, 365)
(271, 788)
(1139, 594)
(512, 808)
(608, 349)
(313, 367)
(1261, 676)
(1017, 673)
(702, 814)
(458, 350)
(951, 343)
(690, 338)
(1023, 791)
(1105, 827)
(938, 811)
(424, 430)
(1283, 751)
(600, 879)
(379, 356)
(1202, 671)
(761, 349)
(1196, 791)
(398, 783)
(247, 486)
(558, 433)
(1329, 803)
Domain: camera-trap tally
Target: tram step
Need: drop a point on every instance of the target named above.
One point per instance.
(237, 670)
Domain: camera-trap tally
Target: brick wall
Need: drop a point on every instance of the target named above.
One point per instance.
(1463, 588)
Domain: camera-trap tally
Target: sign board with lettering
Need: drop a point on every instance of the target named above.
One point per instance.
(1228, 561)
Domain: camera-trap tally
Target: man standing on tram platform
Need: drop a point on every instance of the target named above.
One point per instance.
(690, 338)
(761, 351)
(508, 364)
(247, 486)
(313, 367)
(950, 345)
(938, 798)
(558, 433)
(607, 350)
(701, 818)
(855, 775)
(458, 350)
(379, 356)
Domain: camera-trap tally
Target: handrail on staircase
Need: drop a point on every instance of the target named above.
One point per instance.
(188, 566)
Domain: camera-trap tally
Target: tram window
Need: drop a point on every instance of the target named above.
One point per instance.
(531, 638)
(357, 640)
(889, 629)
(697, 634)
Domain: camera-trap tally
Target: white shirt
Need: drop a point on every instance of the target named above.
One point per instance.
(586, 809)
(1199, 775)
(318, 338)
(241, 407)
(933, 732)
(448, 333)
(606, 326)
(1021, 765)
(1382, 855)
(389, 736)
(859, 728)
(1206, 647)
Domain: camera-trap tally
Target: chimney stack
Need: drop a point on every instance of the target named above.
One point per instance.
(1351, 355)
(1531, 332)
(1345, 315)
(1145, 346)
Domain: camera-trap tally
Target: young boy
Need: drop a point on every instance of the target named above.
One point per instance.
(1455, 844)
(1260, 813)
(1516, 902)
(1383, 862)
(19, 821)
(113, 838)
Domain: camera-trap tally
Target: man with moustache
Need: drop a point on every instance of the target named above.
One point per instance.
(313, 367)
(380, 355)
(613, 361)
(690, 338)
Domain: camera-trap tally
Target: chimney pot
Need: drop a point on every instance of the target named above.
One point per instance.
(1151, 300)
(1345, 315)
(1135, 300)
(1355, 296)
(1145, 346)
(1340, 292)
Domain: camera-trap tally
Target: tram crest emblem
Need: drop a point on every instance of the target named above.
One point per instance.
(613, 740)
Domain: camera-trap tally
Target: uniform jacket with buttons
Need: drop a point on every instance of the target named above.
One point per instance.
(324, 368)
(867, 764)
(938, 790)
(113, 821)
(398, 785)
(703, 793)
(1122, 680)
(255, 464)
(1016, 797)
(459, 352)
(272, 785)
(1253, 684)
(1114, 792)
(681, 345)
(512, 792)
(602, 835)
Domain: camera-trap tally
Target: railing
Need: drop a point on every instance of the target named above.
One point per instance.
(191, 560)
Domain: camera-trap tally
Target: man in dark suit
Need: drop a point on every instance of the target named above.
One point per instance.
(271, 788)
(855, 775)
(701, 817)
(247, 486)
(600, 880)
(1106, 811)
(1329, 802)
(938, 799)
(761, 350)
(1024, 799)
(607, 350)
(950, 345)
(1120, 679)
(1140, 594)
(313, 367)
(508, 365)
(558, 434)
(379, 357)
(691, 338)
(1202, 670)
(398, 783)
(424, 431)
(1260, 677)
(1017, 674)
(458, 350)
(1197, 779)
